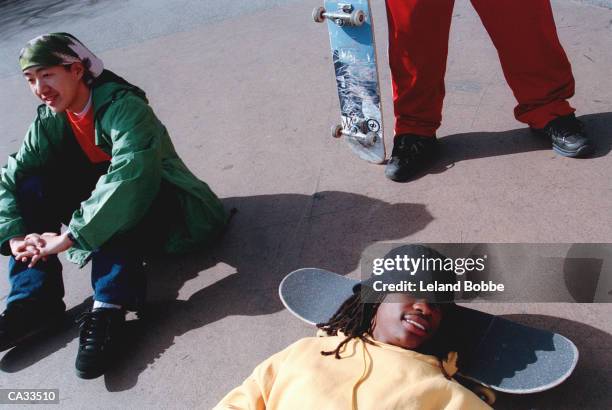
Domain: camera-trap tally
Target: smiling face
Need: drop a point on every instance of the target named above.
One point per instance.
(405, 322)
(59, 88)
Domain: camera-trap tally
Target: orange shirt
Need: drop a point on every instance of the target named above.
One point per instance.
(83, 128)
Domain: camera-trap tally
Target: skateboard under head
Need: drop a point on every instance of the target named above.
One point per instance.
(354, 56)
(493, 351)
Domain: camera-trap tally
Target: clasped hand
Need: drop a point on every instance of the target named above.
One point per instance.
(34, 247)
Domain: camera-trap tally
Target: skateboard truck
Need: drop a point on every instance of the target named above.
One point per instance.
(344, 16)
(367, 139)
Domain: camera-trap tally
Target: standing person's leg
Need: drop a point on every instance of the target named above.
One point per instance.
(418, 47)
(35, 301)
(536, 69)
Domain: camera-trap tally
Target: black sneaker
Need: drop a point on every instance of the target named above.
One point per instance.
(567, 136)
(411, 154)
(23, 319)
(99, 331)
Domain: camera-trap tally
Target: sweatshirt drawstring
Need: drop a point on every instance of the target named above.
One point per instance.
(367, 362)
(449, 365)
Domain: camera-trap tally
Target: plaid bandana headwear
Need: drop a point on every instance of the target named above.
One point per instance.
(58, 49)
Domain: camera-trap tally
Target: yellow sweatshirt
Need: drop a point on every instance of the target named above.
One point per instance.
(367, 377)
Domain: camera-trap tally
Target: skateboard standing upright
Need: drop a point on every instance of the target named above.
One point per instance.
(353, 50)
(494, 353)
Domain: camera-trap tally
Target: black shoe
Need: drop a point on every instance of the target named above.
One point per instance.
(23, 319)
(99, 333)
(411, 154)
(567, 136)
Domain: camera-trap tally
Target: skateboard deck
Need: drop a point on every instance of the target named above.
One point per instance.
(351, 38)
(493, 352)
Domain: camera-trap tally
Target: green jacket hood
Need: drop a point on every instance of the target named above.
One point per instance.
(108, 87)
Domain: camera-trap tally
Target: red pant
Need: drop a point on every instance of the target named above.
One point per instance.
(524, 33)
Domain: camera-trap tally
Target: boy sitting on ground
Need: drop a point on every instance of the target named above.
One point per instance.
(98, 160)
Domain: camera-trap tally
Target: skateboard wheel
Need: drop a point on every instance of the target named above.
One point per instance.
(487, 395)
(336, 131)
(357, 18)
(318, 14)
(369, 139)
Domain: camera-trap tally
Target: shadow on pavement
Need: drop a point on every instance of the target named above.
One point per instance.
(474, 145)
(588, 386)
(270, 236)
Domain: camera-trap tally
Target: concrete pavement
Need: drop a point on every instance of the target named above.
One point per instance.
(248, 100)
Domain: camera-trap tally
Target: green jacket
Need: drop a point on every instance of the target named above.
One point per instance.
(142, 155)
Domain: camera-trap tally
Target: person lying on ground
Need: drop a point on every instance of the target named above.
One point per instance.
(380, 351)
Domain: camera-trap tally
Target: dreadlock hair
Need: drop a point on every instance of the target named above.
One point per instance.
(353, 318)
